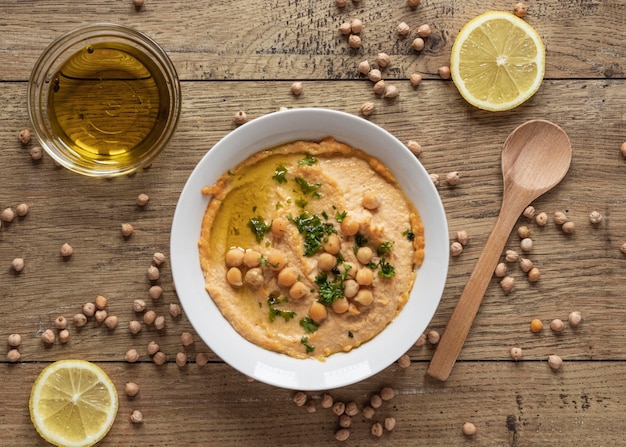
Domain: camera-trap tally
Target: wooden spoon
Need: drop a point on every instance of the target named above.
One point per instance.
(535, 157)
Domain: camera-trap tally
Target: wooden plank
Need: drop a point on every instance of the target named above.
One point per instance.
(511, 404)
(284, 39)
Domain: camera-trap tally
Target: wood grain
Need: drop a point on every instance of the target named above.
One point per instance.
(235, 56)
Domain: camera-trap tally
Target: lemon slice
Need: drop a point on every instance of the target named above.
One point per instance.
(497, 61)
(73, 403)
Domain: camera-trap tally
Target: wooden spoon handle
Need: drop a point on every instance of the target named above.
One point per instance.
(461, 320)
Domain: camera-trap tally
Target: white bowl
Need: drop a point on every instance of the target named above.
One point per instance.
(339, 369)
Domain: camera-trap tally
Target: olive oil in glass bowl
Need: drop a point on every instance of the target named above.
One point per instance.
(104, 100)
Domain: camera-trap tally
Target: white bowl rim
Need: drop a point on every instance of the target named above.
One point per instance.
(278, 369)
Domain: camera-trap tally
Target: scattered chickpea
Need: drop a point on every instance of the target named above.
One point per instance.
(7, 215)
(574, 318)
(310, 406)
(100, 315)
(387, 393)
(434, 178)
(376, 401)
(433, 337)
(345, 421)
(526, 244)
(349, 226)
(24, 136)
(456, 248)
(560, 218)
(131, 389)
(568, 227)
(377, 429)
(356, 26)
(13, 355)
(390, 423)
(526, 265)
(413, 3)
(131, 355)
(342, 434)
(240, 118)
(352, 409)
(623, 248)
(159, 358)
(536, 325)
(202, 359)
(523, 232)
(520, 10)
(279, 227)
(155, 292)
(391, 91)
(403, 29)
(418, 44)
(159, 323)
(367, 108)
(595, 217)
(181, 359)
(66, 250)
(149, 317)
(404, 361)
(64, 336)
(36, 153)
(383, 60)
(421, 340)
(453, 178)
(557, 325)
(415, 79)
(89, 309)
(444, 72)
(529, 212)
(138, 4)
(60, 322)
(516, 353)
(101, 302)
(134, 327)
(364, 255)
(175, 310)
(14, 340)
(341, 3)
(354, 41)
(136, 417)
(345, 28)
(153, 273)
(623, 149)
(534, 274)
(139, 305)
(364, 67)
(501, 270)
(326, 401)
(424, 31)
(414, 147)
(507, 283)
(462, 237)
(18, 264)
(555, 362)
(127, 229)
(469, 429)
(296, 88)
(111, 322)
(511, 256)
(339, 408)
(48, 336)
(368, 412)
(186, 339)
(541, 219)
(22, 209)
(379, 87)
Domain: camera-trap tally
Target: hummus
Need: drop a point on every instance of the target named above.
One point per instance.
(309, 248)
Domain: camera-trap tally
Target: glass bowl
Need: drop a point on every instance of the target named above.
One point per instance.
(104, 100)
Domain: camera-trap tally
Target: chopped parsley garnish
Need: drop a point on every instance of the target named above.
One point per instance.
(305, 342)
(280, 174)
(308, 324)
(314, 231)
(339, 217)
(274, 312)
(259, 227)
(331, 291)
(384, 248)
(302, 203)
(360, 240)
(309, 160)
(386, 270)
(350, 334)
(409, 234)
(306, 187)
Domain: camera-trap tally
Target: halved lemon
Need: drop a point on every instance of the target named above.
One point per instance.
(73, 403)
(497, 61)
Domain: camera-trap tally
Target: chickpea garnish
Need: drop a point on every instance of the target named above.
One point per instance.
(333, 244)
(234, 277)
(364, 255)
(349, 226)
(341, 305)
(279, 227)
(287, 277)
(364, 297)
(371, 201)
(350, 288)
(364, 277)
(252, 258)
(298, 290)
(318, 312)
(234, 257)
(326, 262)
(254, 277)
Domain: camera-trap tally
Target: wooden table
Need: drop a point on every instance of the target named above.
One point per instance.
(245, 55)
